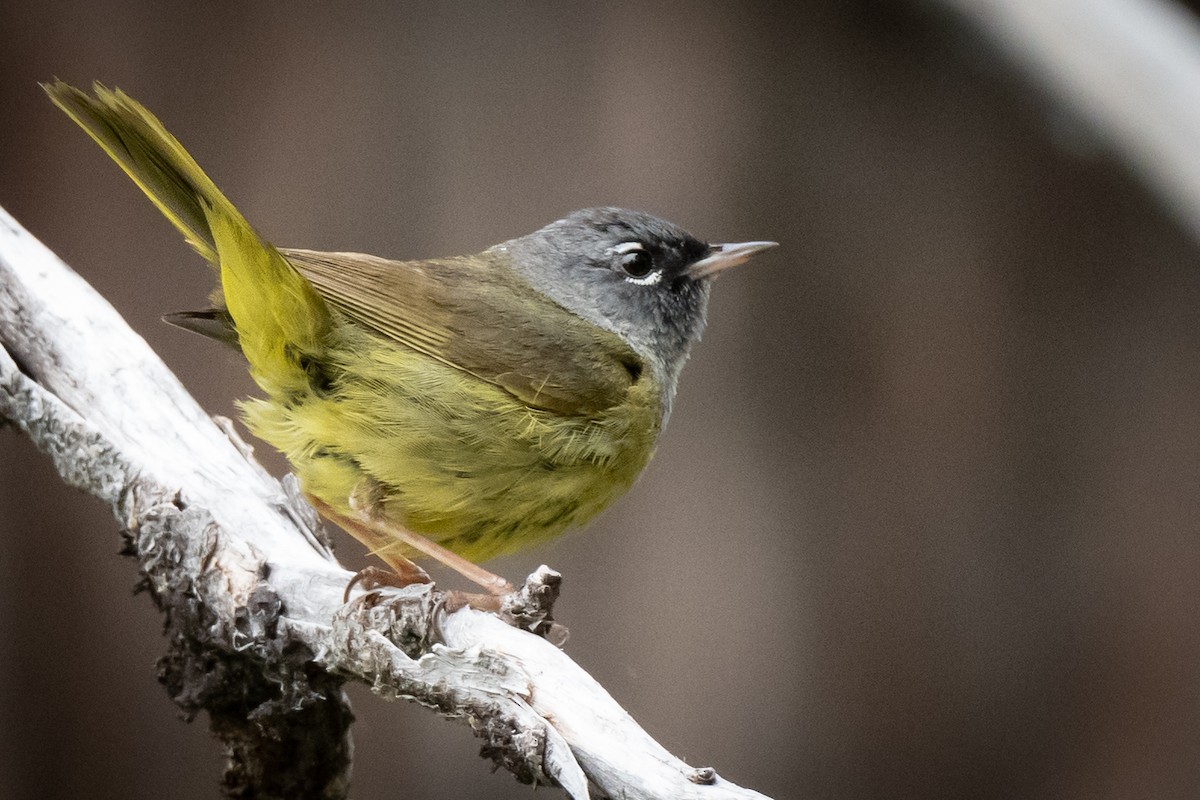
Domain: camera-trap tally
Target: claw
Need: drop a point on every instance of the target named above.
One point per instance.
(375, 577)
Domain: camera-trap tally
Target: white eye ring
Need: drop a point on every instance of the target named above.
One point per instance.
(628, 247)
(649, 279)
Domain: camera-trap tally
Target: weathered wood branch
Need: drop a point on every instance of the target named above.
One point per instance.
(258, 634)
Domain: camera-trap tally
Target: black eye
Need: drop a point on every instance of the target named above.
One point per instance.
(637, 264)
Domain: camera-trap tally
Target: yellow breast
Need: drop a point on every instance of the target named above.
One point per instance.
(457, 459)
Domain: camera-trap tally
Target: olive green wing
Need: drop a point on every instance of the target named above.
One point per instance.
(477, 315)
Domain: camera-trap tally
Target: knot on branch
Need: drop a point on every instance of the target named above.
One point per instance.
(532, 606)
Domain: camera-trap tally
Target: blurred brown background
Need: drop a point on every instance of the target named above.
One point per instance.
(925, 521)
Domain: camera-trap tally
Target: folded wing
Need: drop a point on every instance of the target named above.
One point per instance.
(478, 316)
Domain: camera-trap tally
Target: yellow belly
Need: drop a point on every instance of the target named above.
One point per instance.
(452, 457)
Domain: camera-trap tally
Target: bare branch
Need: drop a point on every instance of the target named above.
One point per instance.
(258, 632)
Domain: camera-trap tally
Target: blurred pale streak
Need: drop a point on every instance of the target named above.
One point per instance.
(1130, 67)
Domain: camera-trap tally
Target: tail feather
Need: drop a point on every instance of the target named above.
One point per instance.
(153, 158)
(280, 320)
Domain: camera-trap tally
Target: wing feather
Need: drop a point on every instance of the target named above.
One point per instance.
(477, 315)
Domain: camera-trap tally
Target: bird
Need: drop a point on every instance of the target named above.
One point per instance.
(455, 408)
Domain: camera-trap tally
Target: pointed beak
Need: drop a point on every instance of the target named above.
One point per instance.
(723, 256)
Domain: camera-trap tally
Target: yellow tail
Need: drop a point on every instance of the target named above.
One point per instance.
(281, 321)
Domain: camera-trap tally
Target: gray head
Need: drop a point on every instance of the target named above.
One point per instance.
(641, 277)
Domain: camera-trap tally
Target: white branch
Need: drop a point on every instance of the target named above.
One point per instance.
(240, 564)
(1130, 67)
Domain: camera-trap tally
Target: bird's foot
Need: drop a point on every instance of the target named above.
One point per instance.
(375, 577)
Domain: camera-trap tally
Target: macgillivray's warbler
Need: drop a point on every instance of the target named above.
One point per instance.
(458, 408)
